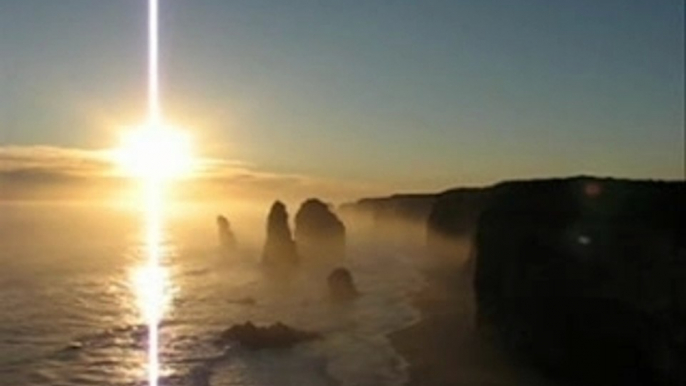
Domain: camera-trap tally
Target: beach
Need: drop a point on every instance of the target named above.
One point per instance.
(443, 348)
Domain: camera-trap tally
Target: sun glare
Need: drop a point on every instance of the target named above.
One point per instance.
(150, 279)
(156, 153)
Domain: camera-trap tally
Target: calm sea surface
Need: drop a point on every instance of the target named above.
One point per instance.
(73, 302)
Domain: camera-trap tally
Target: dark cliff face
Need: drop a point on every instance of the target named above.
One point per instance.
(398, 218)
(445, 222)
(279, 249)
(453, 220)
(586, 277)
(319, 234)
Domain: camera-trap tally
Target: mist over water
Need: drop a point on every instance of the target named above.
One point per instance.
(75, 319)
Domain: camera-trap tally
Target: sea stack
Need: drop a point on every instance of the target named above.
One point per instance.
(341, 285)
(227, 240)
(319, 233)
(279, 249)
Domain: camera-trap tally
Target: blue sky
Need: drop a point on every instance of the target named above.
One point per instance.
(416, 95)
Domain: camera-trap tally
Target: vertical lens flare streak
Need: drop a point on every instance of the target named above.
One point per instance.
(154, 110)
(155, 154)
(152, 277)
(153, 191)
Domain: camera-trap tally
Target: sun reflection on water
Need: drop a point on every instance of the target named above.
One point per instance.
(150, 279)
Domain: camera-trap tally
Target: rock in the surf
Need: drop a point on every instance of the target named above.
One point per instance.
(277, 335)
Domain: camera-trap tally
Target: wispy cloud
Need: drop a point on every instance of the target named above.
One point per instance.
(49, 172)
(54, 160)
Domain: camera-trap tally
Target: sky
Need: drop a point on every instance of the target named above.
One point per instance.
(400, 96)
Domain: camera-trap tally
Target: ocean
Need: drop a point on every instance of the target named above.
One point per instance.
(73, 305)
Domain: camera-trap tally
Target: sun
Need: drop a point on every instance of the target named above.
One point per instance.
(155, 153)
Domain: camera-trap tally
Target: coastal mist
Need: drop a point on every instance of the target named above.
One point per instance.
(339, 193)
(74, 276)
(543, 282)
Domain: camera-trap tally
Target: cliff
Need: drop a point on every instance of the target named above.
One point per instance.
(397, 218)
(586, 277)
(452, 222)
(583, 278)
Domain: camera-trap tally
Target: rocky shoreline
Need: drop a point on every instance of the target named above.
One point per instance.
(443, 348)
(576, 280)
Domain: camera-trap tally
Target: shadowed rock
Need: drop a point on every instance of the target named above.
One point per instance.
(227, 240)
(452, 223)
(319, 233)
(279, 249)
(341, 285)
(586, 277)
(277, 335)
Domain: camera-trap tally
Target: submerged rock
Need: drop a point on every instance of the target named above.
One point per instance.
(245, 301)
(279, 249)
(341, 285)
(277, 335)
(75, 345)
(227, 240)
(319, 233)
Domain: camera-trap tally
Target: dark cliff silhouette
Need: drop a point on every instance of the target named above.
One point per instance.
(409, 207)
(319, 233)
(453, 221)
(586, 277)
(398, 218)
(279, 249)
(227, 240)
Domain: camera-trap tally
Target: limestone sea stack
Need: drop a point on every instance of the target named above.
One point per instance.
(279, 249)
(319, 233)
(227, 240)
(341, 285)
